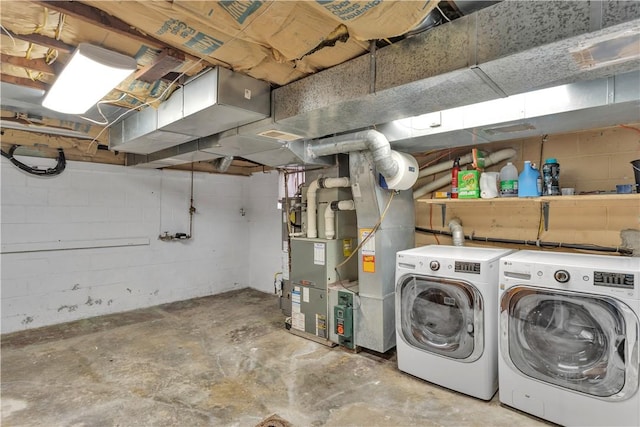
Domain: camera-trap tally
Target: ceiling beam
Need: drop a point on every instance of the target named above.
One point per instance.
(94, 16)
(21, 81)
(41, 40)
(167, 61)
(37, 139)
(71, 153)
(31, 64)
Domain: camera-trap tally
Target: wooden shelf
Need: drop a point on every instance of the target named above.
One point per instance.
(575, 198)
(565, 205)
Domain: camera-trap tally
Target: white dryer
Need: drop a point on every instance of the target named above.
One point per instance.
(446, 316)
(569, 337)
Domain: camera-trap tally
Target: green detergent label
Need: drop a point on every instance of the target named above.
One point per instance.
(468, 185)
(509, 188)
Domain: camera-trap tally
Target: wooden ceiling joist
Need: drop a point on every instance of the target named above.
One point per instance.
(31, 64)
(167, 61)
(36, 139)
(91, 15)
(21, 81)
(41, 40)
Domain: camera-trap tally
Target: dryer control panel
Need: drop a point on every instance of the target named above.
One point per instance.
(614, 280)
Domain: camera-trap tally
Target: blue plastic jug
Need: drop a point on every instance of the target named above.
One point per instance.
(529, 181)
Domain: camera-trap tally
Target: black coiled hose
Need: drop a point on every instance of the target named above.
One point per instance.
(60, 165)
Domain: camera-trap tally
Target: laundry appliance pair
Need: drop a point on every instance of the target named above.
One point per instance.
(559, 332)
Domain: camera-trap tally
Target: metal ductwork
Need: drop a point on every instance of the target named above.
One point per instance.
(210, 103)
(572, 107)
(507, 49)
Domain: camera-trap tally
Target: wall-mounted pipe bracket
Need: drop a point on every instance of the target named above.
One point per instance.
(545, 215)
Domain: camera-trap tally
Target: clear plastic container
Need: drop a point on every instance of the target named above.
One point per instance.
(509, 181)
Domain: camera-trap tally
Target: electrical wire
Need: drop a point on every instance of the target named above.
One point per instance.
(431, 222)
(57, 170)
(8, 33)
(146, 104)
(371, 233)
(192, 209)
(369, 236)
(630, 128)
(104, 118)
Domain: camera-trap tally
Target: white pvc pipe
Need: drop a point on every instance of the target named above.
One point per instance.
(456, 232)
(312, 208)
(490, 159)
(329, 216)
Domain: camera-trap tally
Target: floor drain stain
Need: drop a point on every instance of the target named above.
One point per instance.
(274, 421)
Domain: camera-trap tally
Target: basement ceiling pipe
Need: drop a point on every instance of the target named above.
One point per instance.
(400, 170)
(456, 232)
(312, 208)
(490, 159)
(330, 213)
(222, 164)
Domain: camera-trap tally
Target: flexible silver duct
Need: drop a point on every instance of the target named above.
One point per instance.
(222, 164)
(371, 140)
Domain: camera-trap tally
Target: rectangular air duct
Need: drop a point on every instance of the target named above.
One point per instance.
(210, 103)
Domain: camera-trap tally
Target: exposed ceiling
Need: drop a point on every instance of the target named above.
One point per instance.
(381, 62)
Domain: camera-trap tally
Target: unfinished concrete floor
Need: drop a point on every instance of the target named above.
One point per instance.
(220, 360)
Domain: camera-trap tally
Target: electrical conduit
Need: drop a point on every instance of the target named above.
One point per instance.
(329, 216)
(312, 228)
(490, 159)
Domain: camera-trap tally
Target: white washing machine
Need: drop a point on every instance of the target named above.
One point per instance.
(447, 316)
(569, 337)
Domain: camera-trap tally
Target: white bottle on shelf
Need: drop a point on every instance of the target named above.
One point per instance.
(509, 181)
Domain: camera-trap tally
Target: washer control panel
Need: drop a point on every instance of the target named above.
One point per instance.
(614, 280)
(467, 267)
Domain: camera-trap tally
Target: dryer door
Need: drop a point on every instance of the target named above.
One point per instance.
(582, 342)
(441, 316)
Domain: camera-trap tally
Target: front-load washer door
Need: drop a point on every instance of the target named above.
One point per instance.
(441, 316)
(581, 342)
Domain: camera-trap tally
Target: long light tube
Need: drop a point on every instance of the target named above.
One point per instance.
(92, 72)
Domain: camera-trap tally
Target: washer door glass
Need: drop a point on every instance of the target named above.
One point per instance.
(441, 316)
(570, 340)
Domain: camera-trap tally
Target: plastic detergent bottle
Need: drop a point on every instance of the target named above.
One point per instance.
(529, 181)
(509, 181)
(551, 174)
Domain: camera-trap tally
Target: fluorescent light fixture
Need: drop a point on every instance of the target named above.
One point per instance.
(92, 72)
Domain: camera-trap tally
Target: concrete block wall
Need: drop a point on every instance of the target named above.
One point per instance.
(95, 205)
(593, 160)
